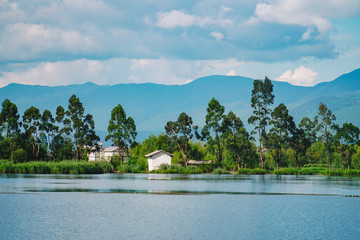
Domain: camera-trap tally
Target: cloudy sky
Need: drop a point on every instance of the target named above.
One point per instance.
(61, 42)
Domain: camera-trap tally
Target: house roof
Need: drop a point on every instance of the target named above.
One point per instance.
(111, 149)
(156, 152)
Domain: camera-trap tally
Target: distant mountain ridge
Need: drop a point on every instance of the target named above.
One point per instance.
(152, 105)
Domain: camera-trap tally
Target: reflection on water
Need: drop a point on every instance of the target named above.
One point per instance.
(182, 184)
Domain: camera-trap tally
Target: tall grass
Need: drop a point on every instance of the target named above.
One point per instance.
(220, 171)
(63, 167)
(249, 171)
(317, 171)
(345, 173)
(178, 169)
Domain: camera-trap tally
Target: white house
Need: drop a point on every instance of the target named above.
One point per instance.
(109, 152)
(155, 159)
(104, 154)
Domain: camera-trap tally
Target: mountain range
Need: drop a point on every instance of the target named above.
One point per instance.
(152, 105)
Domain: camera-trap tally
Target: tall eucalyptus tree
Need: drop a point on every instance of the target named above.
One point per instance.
(261, 99)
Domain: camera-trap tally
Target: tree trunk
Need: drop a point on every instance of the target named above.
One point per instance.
(349, 162)
(238, 161)
(260, 140)
(38, 151)
(342, 161)
(219, 150)
(297, 161)
(184, 157)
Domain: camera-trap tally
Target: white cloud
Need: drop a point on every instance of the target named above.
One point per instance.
(217, 35)
(22, 41)
(307, 35)
(176, 18)
(226, 9)
(301, 76)
(161, 71)
(231, 73)
(10, 11)
(305, 12)
(119, 70)
(59, 73)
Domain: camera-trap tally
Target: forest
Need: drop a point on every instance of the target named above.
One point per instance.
(60, 142)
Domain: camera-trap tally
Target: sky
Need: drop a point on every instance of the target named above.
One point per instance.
(62, 42)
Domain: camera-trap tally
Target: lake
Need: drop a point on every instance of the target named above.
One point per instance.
(156, 206)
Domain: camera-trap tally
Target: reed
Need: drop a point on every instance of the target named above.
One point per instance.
(63, 167)
(249, 171)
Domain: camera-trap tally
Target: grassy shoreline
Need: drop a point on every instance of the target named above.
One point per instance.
(62, 167)
(100, 167)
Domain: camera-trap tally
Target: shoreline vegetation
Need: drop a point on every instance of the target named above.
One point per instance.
(101, 167)
(43, 141)
(63, 167)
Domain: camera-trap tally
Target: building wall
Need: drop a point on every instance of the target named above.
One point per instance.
(94, 156)
(107, 155)
(156, 160)
(104, 156)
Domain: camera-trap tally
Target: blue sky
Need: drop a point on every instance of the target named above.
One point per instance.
(61, 42)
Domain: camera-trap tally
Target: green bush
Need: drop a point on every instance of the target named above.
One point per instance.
(220, 171)
(316, 165)
(178, 169)
(115, 161)
(248, 171)
(18, 156)
(128, 169)
(191, 170)
(286, 171)
(340, 172)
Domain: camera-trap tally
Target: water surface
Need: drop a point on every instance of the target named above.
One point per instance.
(146, 206)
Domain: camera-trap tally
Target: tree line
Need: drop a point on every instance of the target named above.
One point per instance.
(44, 136)
(280, 141)
(274, 141)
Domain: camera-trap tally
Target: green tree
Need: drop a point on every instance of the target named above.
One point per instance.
(82, 126)
(237, 138)
(181, 132)
(347, 138)
(326, 128)
(279, 135)
(261, 99)
(48, 126)
(299, 142)
(9, 119)
(309, 128)
(31, 124)
(121, 130)
(61, 145)
(214, 129)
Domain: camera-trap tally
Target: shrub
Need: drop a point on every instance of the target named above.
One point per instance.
(115, 161)
(18, 156)
(248, 171)
(220, 171)
(316, 165)
(286, 171)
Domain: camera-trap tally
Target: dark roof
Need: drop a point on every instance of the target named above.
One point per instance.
(156, 152)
